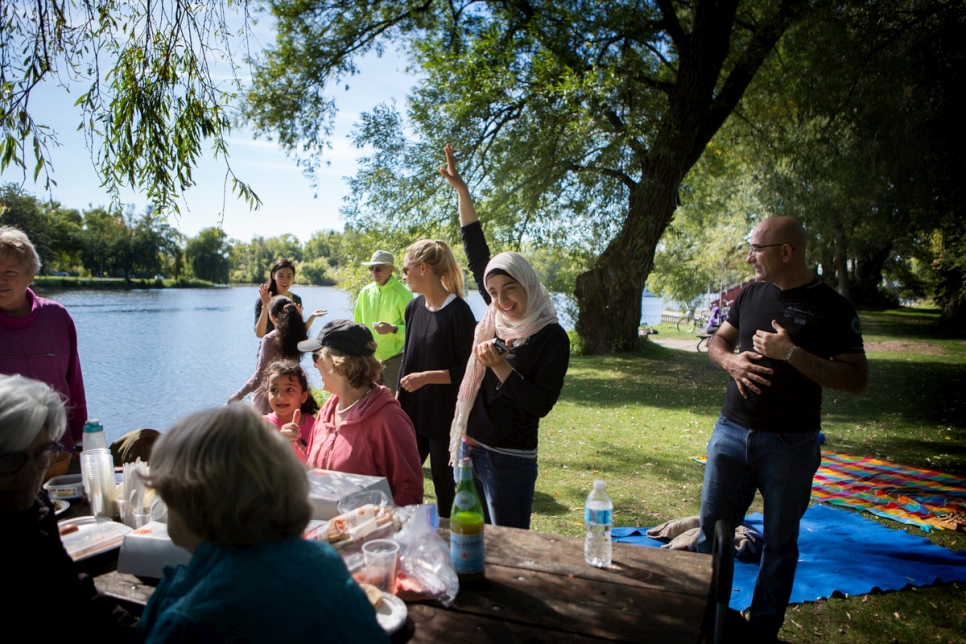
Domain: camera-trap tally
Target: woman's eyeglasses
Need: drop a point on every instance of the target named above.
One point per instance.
(13, 462)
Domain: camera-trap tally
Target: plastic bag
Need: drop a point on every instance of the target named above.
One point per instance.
(425, 570)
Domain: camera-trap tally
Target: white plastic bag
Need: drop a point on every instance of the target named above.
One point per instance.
(425, 570)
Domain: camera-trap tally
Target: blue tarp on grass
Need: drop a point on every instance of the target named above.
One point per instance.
(841, 551)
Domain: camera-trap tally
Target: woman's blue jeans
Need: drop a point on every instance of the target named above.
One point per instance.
(780, 466)
(505, 485)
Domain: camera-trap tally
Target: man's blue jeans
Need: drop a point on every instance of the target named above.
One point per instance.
(781, 467)
(505, 485)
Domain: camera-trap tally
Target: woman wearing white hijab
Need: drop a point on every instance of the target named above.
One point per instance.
(504, 395)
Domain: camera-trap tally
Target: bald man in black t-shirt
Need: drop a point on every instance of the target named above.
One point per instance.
(794, 335)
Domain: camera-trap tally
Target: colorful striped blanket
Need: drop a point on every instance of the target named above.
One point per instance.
(926, 499)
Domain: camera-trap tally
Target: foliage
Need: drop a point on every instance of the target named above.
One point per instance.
(576, 120)
(105, 243)
(852, 129)
(150, 93)
(576, 344)
(208, 255)
(314, 272)
(703, 250)
(24, 212)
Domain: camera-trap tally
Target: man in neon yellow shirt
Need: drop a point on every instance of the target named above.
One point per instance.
(382, 305)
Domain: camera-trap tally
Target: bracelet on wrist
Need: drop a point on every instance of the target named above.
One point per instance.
(788, 356)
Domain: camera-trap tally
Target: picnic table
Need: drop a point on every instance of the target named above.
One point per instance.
(538, 588)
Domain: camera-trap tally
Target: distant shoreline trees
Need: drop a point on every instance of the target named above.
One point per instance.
(103, 242)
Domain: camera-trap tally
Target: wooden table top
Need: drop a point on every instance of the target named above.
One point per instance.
(538, 588)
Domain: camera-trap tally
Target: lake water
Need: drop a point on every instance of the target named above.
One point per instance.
(152, 356)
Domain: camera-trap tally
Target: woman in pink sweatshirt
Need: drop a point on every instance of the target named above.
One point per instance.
(361, 429)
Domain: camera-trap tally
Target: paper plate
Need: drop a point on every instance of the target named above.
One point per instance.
(391, 614)
(60, 506)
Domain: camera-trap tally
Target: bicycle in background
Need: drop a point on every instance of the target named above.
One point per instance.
(691, 320)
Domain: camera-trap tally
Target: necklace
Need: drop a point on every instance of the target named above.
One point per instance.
(345, 409)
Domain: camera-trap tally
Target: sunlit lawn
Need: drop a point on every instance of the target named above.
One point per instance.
(636, 420)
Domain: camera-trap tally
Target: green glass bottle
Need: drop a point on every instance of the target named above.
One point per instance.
(466, 528)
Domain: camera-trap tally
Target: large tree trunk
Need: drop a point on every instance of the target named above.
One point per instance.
(953, 318)
(609, 295)
(868, 277)
(841, 264)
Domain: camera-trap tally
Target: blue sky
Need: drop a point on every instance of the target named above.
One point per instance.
(288, 202)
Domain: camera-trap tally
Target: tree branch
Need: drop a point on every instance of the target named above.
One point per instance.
(748, 64)
(607, 172)
(672, 26)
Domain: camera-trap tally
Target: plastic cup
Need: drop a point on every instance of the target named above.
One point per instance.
(140, 518)
(124, 511)
(380, 557)
(97, 469)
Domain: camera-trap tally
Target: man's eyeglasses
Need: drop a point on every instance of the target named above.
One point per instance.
(378, 268)
(45, 455)
(757, 248)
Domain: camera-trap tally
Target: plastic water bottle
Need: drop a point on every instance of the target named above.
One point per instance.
(599, 516)
(94, 437)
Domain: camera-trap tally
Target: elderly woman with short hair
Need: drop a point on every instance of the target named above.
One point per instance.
(38, 572)
(37, 335)
(238, 500)
(361, 429)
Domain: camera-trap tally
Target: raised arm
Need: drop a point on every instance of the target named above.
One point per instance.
(261, 317)
(466, 208)
(318, 313)
(474, 242)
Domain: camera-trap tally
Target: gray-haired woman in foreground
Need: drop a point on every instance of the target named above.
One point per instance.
(238, 500)
(39, 576)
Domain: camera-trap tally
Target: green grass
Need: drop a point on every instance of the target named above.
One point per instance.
(635, 420)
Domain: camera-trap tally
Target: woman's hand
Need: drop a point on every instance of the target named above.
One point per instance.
(467, 210)
(290, 431)
(414, 381)
(265, 295)
(488, 356)
(449, 170)
(315, 314)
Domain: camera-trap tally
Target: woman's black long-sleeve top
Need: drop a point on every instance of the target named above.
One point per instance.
(507, 415)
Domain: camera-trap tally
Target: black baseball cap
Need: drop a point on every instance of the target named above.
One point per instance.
(342, 335)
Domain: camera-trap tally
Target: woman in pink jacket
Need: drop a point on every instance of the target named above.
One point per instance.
(361, 429)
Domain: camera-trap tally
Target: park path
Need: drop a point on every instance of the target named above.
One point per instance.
(689, 344)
